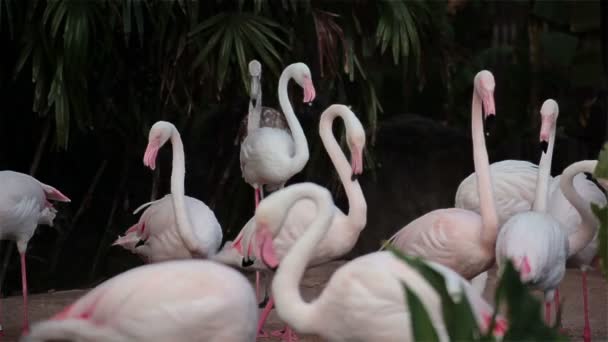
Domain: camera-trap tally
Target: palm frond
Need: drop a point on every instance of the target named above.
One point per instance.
(236, 38)
(329, 38)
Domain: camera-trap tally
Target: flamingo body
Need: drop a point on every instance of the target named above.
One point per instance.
(184, 300)
(266, 154)
(158, 228)
(539, 238)
(514, 183)
(449, 237)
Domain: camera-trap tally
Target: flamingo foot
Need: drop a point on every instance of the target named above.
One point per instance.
(263, 334)
(287, 334)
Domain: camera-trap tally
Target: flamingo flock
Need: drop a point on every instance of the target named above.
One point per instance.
(193, 290)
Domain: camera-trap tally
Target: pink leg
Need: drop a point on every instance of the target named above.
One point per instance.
(287, 334)
(264, 316)
(587, 329)
(548, 312)
(24, 286)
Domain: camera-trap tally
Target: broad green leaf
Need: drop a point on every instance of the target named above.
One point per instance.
(601, 170)
(422, 326)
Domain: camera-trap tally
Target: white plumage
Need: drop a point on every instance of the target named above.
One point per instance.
(184, 300)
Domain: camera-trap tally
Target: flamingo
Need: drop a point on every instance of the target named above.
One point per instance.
(178, 300)
(344, 230)
(364, 299)
(24, 204)
(175, 226)
(460, 239)
(256, 118)
(515, 184)
(540, 253)
(270, 155)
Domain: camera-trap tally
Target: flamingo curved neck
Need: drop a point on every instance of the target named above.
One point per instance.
(544, 174)
(286, 284)
(301, 154)
(585, 231)
(178, 174)
(357, 207)
(487, 207)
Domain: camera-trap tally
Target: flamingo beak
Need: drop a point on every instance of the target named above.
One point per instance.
(265, 247)
(545, 132)
(356, 162)
(309, 91)
(151, 153)
(524, 268)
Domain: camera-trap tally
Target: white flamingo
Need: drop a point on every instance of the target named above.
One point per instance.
(179, 300)
(270, 156)
(460, 239)
(257, 117)
(540, 253)
(175, 226)
(364, 299)
(24, 204)
(344, 230)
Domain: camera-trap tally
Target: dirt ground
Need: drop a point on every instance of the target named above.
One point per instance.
(44, 305)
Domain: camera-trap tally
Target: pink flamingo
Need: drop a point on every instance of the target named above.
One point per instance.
(345, 229)
(24, 204)
(270, 155)
(175, 226)
(179, 300)
(515, 186)
(364, 299)
(461, 239)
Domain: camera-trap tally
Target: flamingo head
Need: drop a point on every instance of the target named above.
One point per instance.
(160, 133)
(484, 86)
(355, 135)
(548, 113)
(255, 70)
(303, 78)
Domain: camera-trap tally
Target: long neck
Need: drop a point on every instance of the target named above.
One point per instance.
(357, 207)
(178, 174)
(587, 228)
(300, 157)
(255, 112)
(544, 173)
(482, 171)
(286, 284)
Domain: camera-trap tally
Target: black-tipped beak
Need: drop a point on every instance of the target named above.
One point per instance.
(354, 177)
(254, 102)
(140, 243)
(543, 146)
(246, 262)
(489, 124)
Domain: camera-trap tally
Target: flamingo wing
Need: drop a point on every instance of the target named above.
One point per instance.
(514, 184)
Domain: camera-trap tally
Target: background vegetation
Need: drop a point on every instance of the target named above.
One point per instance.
(81, 82)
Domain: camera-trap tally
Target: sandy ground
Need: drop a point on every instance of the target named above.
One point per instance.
(44, 305)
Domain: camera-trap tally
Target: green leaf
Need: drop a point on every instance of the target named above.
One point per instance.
(422, 326)
(601, 170)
